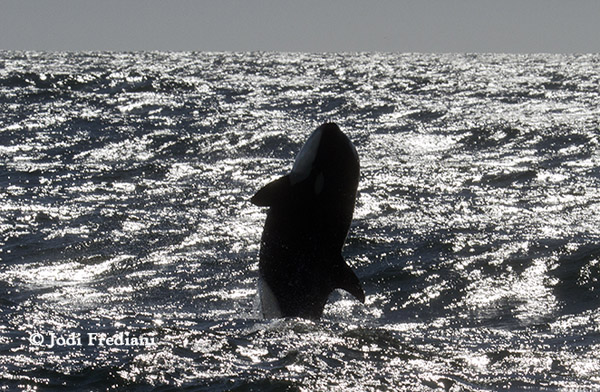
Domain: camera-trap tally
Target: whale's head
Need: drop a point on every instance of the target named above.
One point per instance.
(329, 153)
(326, 167)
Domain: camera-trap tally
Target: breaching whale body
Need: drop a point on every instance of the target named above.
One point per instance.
(310, 211)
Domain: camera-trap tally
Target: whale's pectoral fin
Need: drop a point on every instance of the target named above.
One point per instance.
(345, 279)
(273, 191)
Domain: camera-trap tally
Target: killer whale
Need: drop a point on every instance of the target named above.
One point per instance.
(310, 211)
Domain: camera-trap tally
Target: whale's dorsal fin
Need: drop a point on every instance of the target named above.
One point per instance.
(345, 279)
(273, 191)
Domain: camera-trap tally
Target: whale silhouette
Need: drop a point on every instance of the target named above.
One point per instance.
(306, 226)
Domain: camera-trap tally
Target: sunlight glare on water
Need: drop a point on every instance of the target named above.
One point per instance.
(125, 208)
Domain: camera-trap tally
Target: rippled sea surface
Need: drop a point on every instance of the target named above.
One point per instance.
(125, 181)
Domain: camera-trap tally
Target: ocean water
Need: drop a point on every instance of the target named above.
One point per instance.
(129, 247)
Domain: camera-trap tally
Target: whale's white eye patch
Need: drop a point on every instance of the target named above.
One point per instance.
(307, 155)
